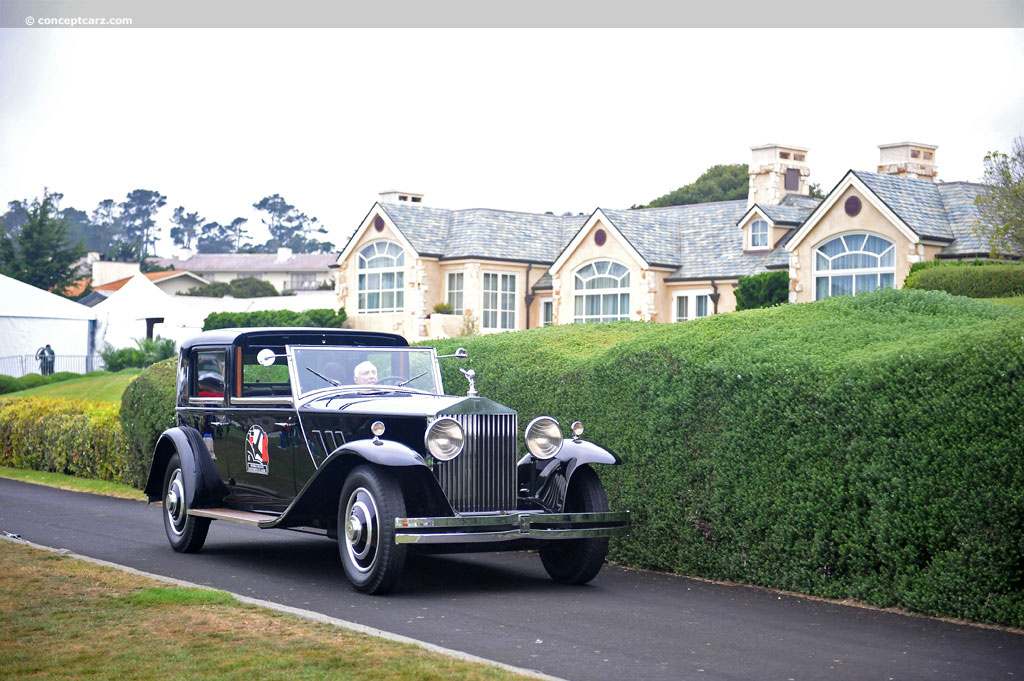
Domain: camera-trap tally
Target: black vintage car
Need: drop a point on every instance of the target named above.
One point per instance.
(349, 434)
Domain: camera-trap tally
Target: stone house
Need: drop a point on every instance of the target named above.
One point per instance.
(505, 270)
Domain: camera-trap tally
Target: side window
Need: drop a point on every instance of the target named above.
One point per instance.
(208, 374)
(261, 381)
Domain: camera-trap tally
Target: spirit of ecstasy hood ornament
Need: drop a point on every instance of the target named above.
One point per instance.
(470, 374)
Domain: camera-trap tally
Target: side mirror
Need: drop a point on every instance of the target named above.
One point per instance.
(266, 357)
(459, 354)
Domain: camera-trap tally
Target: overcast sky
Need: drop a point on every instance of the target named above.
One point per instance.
(529, 120)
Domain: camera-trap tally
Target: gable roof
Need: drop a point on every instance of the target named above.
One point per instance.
(916, 202)
(152, 276)
(963, 215)
(483, 232)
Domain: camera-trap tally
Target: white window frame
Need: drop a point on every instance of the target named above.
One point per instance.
(619, 291)
(398, 289)
(767, 234)
(691, 304)
(503, 314)
(448, 291)
(877, 271)
(546, 301)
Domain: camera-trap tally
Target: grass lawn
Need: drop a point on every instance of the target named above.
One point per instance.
(111, 489)
(100, 388)
(63, 618)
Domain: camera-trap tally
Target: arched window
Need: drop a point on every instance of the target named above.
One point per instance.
(759, 234)
(601, 292)
(853, 263)
(381, 277)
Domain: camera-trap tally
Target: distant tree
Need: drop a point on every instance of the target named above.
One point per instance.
(718, 183)
(237, 232)
(762, 290)
(244, 287)
(137, 222)
(214, 238)
(186, 227)
(815, 191)
(41, 253)
(15, 217)
(106, 222)
(1001, 203)
(290, 228)
(82, 231)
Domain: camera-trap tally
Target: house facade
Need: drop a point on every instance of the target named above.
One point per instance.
(504, 270)
(287, 271)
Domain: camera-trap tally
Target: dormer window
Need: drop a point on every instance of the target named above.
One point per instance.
(759, 234)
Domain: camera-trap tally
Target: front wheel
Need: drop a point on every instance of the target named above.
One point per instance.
(185, 532)
(370, 501)
(577, 561)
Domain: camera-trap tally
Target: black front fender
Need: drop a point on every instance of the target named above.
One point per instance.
(548, 479)
(202, 482)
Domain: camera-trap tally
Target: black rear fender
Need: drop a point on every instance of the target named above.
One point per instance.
(202, 482)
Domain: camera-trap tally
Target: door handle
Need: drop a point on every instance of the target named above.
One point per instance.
(220, 423)
(285, 424)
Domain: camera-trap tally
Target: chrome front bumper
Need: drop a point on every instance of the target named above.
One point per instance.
(509, 527)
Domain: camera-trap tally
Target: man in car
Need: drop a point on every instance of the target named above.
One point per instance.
(365, 373)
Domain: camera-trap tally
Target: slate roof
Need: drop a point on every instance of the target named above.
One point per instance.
(250, 262)
(963, 215)
(484, 232)
(789, 214)
(917, 202)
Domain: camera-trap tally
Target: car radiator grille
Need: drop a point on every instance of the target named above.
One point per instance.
(483, 476)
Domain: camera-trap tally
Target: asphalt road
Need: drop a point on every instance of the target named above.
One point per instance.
(624, 625)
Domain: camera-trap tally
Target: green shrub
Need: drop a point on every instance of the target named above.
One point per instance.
(32, 381)
(762, 290)
(147, 409)
(443, 308)
(9, 384)
(146, 352)
(244, 287)
(322, 318)
(974, 279)
(859, 447)
(66, 436)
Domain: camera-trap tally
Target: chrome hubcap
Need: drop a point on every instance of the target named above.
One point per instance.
(362, 533)
(174, 502)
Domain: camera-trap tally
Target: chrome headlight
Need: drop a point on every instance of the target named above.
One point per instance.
(543, 437)
(445, 438)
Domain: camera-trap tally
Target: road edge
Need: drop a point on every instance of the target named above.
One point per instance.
(296, 612)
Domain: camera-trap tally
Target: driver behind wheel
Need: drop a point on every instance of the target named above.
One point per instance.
(365, 373)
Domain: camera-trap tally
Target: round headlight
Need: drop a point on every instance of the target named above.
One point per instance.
(543, 437)
(577, 428)
(445, 439)
(377, 428)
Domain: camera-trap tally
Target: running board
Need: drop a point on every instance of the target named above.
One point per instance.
(262, 520)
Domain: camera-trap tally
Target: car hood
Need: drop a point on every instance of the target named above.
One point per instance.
(410, 404)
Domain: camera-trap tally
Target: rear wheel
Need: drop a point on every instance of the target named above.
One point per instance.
(186, 533)
(370, 501)
(577, 561)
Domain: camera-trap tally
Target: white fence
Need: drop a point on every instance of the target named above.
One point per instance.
(19, 365)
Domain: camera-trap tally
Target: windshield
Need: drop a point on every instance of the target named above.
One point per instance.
(366, 369)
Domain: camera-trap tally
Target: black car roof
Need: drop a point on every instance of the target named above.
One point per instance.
(293, 336)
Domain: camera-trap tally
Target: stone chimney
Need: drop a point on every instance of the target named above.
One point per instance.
(908, 159)
(400, 197)
(776, 170)
(284, 254)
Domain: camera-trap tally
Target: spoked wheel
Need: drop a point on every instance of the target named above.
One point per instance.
(577, 561)
(370, 501)
(186, 533)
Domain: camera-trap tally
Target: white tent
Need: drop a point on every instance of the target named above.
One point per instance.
(31, 317)
(129, 313)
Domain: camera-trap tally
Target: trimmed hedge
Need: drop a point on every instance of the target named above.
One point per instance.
(762, 290)
(147, 409)
(66, 436)
(321, 317)
(10, 384)
(974, 279)
(865, 447)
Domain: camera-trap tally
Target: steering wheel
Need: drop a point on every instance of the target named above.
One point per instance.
(391, 380)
